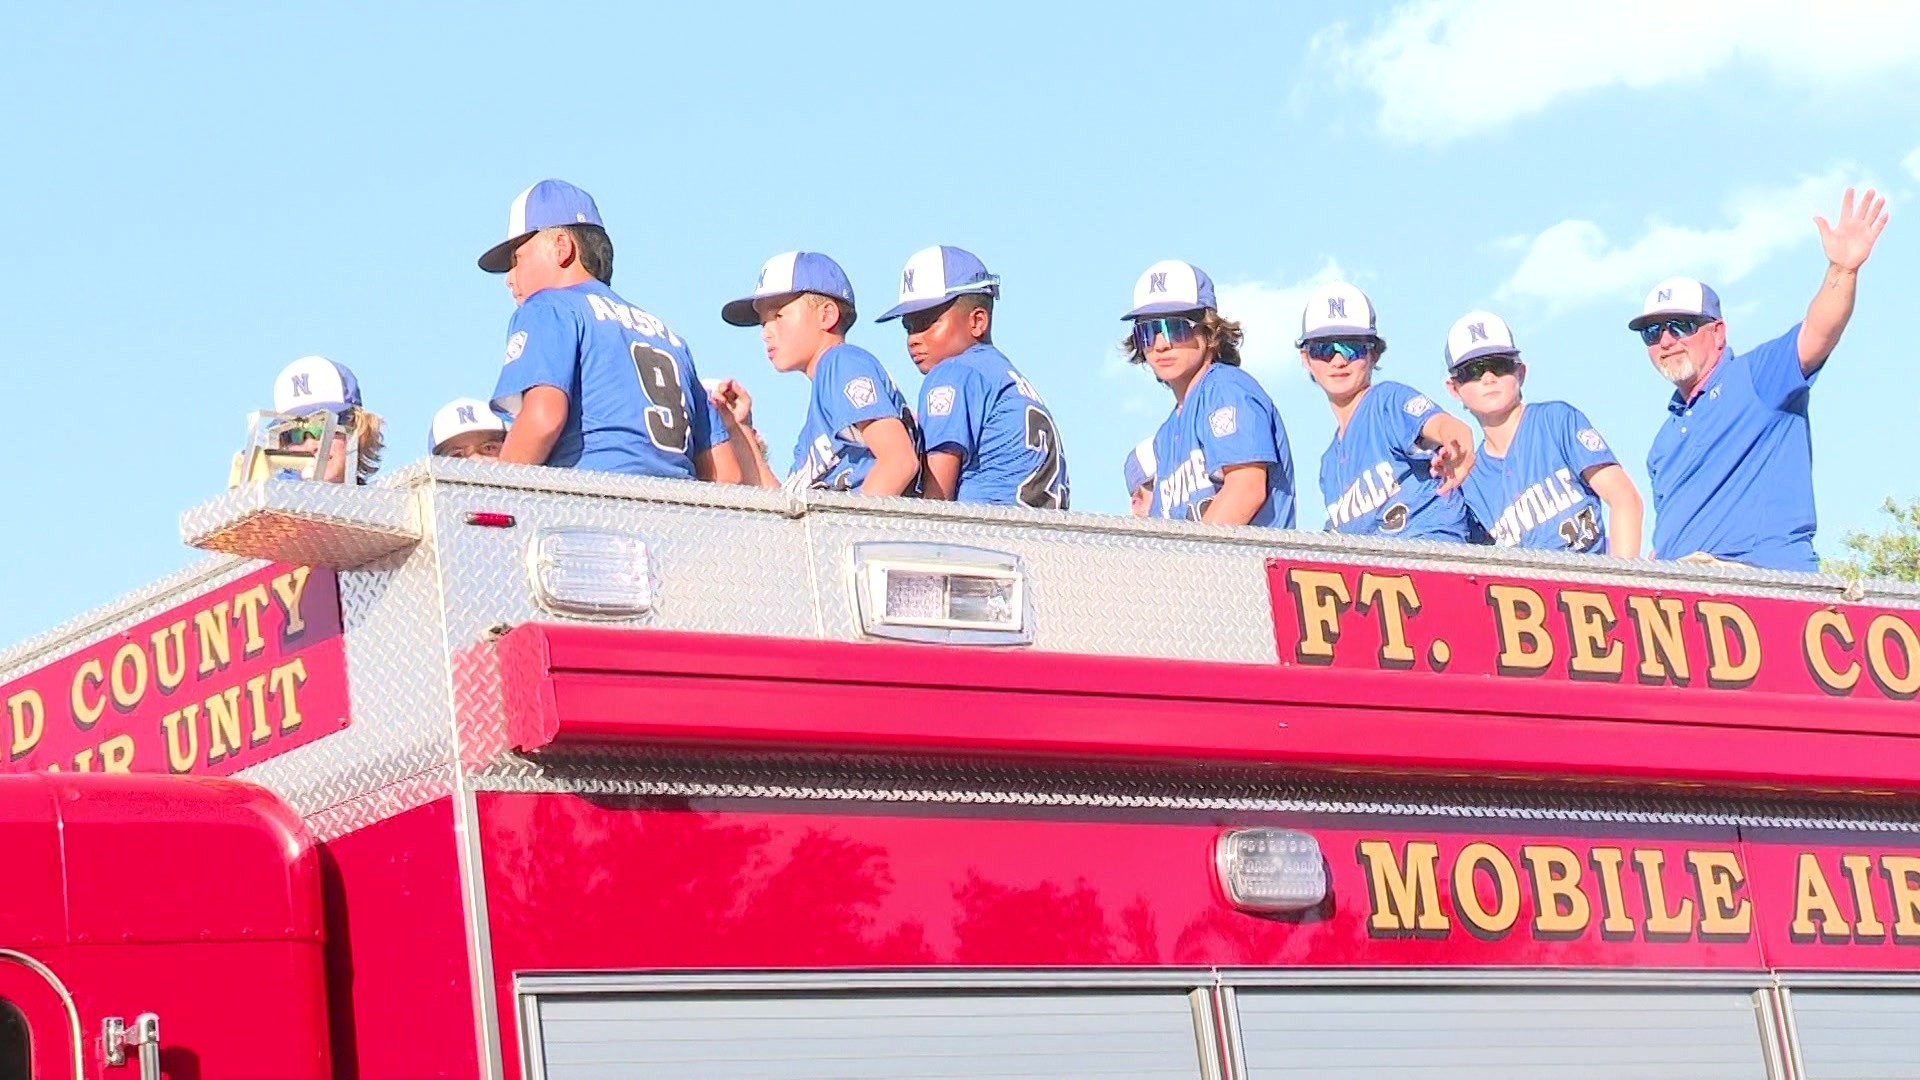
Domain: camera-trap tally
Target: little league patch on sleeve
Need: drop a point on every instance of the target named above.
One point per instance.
(1591, 439)
(1418, 405)
(860, 391)
(940, 401)
(516, 345)
(1224, 421)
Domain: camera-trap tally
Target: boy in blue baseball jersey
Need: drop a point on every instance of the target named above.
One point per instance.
(989, 438)
(591, 381)
(1222, 455)
(859, 434)
(1397, 459)
(1543, 472)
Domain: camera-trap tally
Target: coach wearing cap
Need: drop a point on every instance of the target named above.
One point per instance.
(1732, 468)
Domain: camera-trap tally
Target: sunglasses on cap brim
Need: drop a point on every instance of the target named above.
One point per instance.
(1680, 326)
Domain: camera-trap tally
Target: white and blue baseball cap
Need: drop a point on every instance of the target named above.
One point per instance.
(460, 416)
(790, 274)
(1140, 466)
(1337, 310)
(546, 205)
(936, 275)
(313, 383)
(1477, 334)
(1677, 296)
(1170, 286)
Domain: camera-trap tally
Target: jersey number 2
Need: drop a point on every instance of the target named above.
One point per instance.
(667, 415)
(1042, 488)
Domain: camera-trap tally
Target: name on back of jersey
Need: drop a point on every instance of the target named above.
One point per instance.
(1540, 503)
(1365, 495)
(634, 319)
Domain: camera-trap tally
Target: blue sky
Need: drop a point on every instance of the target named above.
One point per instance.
(202, 193)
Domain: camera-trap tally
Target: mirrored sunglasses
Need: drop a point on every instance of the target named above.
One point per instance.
(1177, 329)
(1355, 349)
(1681, 328)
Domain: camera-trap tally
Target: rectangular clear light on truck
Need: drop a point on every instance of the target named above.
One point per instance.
(1270, 871)
(590, 572)
(940, 592)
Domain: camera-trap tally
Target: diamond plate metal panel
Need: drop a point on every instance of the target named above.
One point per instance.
(641, 773)
(1091, 591)
(397, 670)
(317, 524)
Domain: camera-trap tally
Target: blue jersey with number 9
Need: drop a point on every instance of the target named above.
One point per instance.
(634, 401)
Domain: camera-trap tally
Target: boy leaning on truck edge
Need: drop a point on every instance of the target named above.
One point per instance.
(989, 437)
(858, 434)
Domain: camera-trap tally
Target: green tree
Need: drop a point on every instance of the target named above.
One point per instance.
(1891, 555)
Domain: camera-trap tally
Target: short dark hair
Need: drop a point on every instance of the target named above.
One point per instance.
(966, 302)
(596, 250)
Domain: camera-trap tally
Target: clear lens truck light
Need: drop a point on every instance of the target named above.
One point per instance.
(589, 572)
(941, 592)
(1271, 870)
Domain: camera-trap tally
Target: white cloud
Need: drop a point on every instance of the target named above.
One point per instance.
(1270, 315)
(1447, 69)
(1911, 163)
(1574, 262)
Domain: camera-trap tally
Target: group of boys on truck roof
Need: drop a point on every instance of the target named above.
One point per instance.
(594, 382)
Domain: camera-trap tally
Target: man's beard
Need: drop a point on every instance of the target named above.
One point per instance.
(1680, 369)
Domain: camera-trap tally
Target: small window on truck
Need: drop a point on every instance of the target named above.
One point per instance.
(16, 1043)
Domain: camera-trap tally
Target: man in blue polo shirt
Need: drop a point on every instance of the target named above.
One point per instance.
(591, 381)
(1732, 468)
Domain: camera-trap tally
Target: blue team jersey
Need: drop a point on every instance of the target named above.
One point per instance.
(1226, 419)
(1732, 469)
(978, 408)
(1374, 476)
(850, 388)
(1536, 495)
(634, 402)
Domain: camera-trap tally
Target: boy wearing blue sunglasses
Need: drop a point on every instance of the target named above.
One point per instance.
(1544, 474)
(1397, 460)
(1732, 468)
(1222, 455)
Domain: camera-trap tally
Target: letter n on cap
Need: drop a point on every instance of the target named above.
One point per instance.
(1476, 332)
(1663, 296)
(906, 281)
(302, 385)
(465, 414)
(1337, 307)
(1157, 282)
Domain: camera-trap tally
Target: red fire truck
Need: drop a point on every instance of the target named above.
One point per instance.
(487, 771)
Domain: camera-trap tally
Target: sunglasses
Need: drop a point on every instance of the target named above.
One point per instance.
(1177, 329)
(1358, 349)
(309, 429)
(1681, 328)
(1472, 370)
